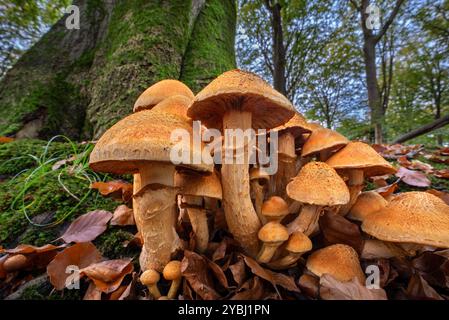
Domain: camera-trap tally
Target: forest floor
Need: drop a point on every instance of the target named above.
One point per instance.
(46, 185)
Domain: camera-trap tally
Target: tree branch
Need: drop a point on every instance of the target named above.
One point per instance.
(424, 129)
(389, 20)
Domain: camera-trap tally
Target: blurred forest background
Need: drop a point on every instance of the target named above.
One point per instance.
(375, 83)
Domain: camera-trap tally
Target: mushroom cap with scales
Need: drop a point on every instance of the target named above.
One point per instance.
(298, 243)
(159, 92)
(244, 91)
(275, 207)
(175, 105)
(323, 139)
(339, 260)
(273, 232)
(141, 137)
(297, 125)
(318, 184)
(172, 270)
(359, 155)
(150, 277)
(411, 217)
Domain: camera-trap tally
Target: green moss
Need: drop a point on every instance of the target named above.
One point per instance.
(111, 243)
(211, 48)
(45, 292)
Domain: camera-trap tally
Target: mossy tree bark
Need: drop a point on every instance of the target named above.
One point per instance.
(80, 82)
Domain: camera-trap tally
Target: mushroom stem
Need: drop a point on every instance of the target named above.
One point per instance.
(241, 217)
(267, 252)
(285, 261)
(355, 186)
(286, 164)
(155, 215)
(198, 219)
(174, 288)
(257, 191)
(307, 220)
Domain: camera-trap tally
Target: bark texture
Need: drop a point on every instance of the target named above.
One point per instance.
(80, 82)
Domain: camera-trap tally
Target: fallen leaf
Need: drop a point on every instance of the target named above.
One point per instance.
(434, 267)
(194, 268)
(4, 139)
(250, 290)
(108, 275)
(419, 289)
(388, 190)
(337, 229)
(443, 174)
(413, 178)
(219, 274)
(117, 189)
(123, 216)
(444, 151)
(274, 278)
(440, 194)
(80, 255)
(87, 227)
(438, 159)
(238, 271)
(92, 293)
(332, 289)
(27, 249)
(2, 261)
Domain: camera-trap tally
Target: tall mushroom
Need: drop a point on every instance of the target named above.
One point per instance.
(259, 180)
(316, 186)
(159, 92)
(338, 260)
(358, 160)
(238, 101)
(288, 133)
(141, 143)
(322, 143)
(411, 217)
(195, 188)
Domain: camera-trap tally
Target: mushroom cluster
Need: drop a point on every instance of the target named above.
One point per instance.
(273, 216)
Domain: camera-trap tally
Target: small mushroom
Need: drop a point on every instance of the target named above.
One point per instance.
(273, 234)
(274, 209)
(367, 203)
(161, 91)
(259, 181)
(297, 245)
(195, 188)
(16, 262)
(288, 133)
(172, 272)
(316, 186)
(323, 143)
(150, 278)
(411, 218)
(239, 101)
(338, 260)
(358, 160)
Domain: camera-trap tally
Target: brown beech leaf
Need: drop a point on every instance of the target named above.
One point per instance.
(332, 289)
(419, 289)
(338, 229)
(4, 139)
(434, 267)
(27, 249)
(440, 194)
(238, 271)
(194, 268)
(389, 189)
(443, 174)
(117, 189)
(123, 216)
(108, 275)
(80, 255)
(87, 227)
(251, 290)
(92, 293)
(443, 151)
(274, 278)
(437, 159)
(2, 270)
(413, 178)
(219, 274)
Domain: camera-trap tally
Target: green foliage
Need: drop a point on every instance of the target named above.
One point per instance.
(40, 196)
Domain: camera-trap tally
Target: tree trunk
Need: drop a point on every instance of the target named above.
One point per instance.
(80, 82)
(424, 129)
